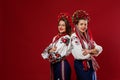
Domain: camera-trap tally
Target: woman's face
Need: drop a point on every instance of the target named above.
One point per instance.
(82, 25)
(61, 26)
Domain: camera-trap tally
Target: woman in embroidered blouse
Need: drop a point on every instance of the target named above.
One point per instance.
(59, 49)
(84, 48)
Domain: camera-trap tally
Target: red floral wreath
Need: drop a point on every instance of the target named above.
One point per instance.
(66, 16)
(79, 14)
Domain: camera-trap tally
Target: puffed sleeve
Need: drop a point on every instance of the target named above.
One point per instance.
(69, 47)
(98, 48)
(45, 54)
(64, 48)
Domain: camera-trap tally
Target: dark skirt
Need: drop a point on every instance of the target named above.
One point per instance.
(82, 73)
(61, 70)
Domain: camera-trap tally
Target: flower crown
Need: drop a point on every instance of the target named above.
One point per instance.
(64, 15)
(79, 14)
(67, 17)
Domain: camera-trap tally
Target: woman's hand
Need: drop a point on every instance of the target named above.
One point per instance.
(52, 49)
(86, 51)
(91, 52)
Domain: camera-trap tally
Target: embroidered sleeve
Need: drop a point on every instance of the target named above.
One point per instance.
(45, 54)
(65, 40)
(66, 48)
(63, 49)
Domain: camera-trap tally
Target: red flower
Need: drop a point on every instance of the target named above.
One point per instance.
(64, 40)
(50, 56)
(76, 42)
(57, 55)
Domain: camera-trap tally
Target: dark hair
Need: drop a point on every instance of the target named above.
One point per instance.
(79, 15)
(67, 24)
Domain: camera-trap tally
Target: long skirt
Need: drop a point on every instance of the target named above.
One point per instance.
(60, 70)
(82, 74)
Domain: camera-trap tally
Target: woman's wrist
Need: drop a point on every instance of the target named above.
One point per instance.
(93, 51)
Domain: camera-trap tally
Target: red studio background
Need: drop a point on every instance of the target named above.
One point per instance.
(28, 26)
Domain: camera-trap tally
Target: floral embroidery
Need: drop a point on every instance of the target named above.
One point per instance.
(54, 57)
(65, 40)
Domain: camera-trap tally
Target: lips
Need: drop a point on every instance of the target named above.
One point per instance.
(61, 29)
(83, 29)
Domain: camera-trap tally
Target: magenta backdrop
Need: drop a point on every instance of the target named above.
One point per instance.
(29, 25)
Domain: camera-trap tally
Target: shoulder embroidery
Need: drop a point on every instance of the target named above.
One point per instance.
(65, 40)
